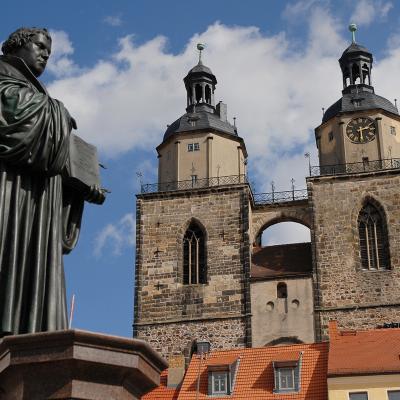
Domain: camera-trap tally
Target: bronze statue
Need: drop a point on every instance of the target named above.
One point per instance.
(40, 210)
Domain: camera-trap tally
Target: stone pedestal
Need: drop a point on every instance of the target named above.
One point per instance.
(76, 365)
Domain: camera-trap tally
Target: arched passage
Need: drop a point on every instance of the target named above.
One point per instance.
(284, 233)
(282, 248)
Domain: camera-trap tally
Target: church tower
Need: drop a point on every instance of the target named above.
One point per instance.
(361, 126)
(354, 198)
(192, 252)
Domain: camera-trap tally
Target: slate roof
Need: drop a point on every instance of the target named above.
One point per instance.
(200, 68)
(255, 374)
(282, 260)
(376, 351)
(198, 121)
(162, 392)
(369, 101)
(356, 48)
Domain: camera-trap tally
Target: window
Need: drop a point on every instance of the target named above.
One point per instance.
(219, 382)
(221, 378)
(330, 136)
(393, 130)
(365, 161)
(194, 179)
(287, 376)
(394, 395)
(281, 290)
(358, 396)
(374, 246)
(193, 146)
(194, 257)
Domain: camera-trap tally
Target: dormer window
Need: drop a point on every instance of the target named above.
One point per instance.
(221, 376)
(286, 378)
(287, 374)
(219, 383)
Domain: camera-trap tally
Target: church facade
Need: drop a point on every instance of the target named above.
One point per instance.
(202, 273)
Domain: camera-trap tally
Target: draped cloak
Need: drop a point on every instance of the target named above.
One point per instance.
(39, 216)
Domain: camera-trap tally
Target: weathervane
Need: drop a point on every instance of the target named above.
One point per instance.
(352, 29)
(200, 48)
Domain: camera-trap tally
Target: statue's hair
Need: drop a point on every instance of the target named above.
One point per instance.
(20, 37)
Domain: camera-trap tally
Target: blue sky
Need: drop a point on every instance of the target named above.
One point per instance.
(118, 67)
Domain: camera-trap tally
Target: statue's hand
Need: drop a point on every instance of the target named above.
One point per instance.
(96, 195)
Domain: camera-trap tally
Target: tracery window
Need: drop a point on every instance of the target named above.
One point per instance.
(374, 245)
(194, 257)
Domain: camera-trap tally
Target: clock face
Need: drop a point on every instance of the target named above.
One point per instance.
(361, 130)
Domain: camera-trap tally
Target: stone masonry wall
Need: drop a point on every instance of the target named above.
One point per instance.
(364, 318)
(160, 295)
(177, 338)
(340, 283)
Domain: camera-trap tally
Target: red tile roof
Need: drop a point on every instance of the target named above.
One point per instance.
(288, 356)
(363, 352)
(255, 375)
(162, 392)
(227, 359)
(282, 260)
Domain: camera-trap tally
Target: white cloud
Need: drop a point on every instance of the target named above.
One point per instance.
(270, 85)
(298, 10)
(366, 11)
(274, 86)
(60, 63)
(116, 236)
(113, 20)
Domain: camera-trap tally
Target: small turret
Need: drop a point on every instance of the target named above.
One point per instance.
(356, 64)
(200, 86)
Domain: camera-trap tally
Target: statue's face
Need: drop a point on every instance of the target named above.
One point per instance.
(35, 53)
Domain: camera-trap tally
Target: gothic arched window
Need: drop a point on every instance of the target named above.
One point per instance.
(374, 244)
(194, 256)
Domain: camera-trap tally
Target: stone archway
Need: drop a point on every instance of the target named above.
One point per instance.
(267, 215)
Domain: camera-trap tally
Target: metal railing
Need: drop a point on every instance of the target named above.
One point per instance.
(354, 168)
(280, 197)
(193, 184)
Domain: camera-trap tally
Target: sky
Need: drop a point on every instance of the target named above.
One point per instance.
(118, 68)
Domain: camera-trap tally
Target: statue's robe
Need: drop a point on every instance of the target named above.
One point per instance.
(39, 217)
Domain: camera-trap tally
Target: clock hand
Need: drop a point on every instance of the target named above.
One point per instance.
(360, 131)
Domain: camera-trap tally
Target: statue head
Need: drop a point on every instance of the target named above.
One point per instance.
(33, 45)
